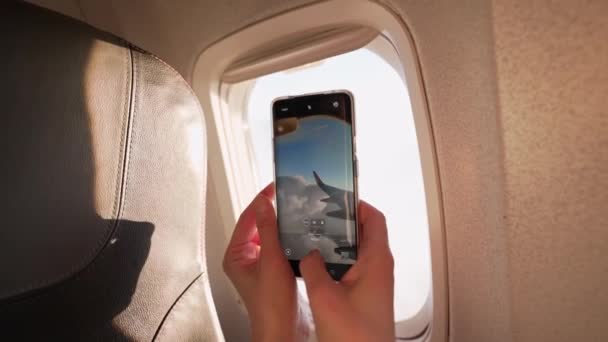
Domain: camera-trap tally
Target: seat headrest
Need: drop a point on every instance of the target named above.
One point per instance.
(103, 181)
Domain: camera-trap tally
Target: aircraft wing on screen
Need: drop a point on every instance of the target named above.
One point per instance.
(342, 198)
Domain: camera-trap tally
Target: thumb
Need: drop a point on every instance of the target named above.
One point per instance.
(315, 276)
(266, 222)
(327, 302)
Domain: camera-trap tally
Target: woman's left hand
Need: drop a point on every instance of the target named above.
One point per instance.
(255, 263)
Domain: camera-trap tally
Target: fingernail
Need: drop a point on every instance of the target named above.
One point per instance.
(314, 253)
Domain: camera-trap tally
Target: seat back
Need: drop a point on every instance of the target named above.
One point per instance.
(103, 184)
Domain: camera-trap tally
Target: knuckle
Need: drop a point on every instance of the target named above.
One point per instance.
(385, 260)
(264, 220)
(390, 260)
(381, 216)
(261, 202)
(262, 208)
(376, 215)
(240, 219)
(225, 265)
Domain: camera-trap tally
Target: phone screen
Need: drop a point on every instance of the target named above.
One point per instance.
(315, 178)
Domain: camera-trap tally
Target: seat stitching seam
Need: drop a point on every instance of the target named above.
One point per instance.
(130, 132)
(161, 328)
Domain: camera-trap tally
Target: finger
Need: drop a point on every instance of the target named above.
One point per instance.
(315, 275)
(241, 256)
(330, 307)
(373, 232)
(245, 229)
(243, 248)
(266, 221)
(268, 191)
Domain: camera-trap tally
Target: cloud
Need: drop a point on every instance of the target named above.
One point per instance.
(298, 200)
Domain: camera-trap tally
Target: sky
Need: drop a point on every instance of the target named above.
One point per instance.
(390, 176)
(320, 144)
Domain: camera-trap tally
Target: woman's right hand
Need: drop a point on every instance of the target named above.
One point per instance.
(360, 306)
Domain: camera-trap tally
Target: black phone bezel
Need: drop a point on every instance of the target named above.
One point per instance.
(313, 104)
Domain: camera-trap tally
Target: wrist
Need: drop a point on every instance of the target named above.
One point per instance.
(297, 330)
(265, 333)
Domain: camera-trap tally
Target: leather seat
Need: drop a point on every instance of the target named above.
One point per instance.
(103, 182)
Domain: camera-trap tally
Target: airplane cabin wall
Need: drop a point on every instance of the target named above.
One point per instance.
(455, 45)
(552, 66)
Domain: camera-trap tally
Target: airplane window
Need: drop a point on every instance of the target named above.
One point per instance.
(390, 175)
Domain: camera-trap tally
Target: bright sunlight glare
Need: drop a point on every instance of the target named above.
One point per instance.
(390, 176)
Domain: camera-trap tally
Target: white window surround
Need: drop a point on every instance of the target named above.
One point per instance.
(229, 150)
(391, 181)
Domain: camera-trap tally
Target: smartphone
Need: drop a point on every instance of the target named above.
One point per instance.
(315, 169)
